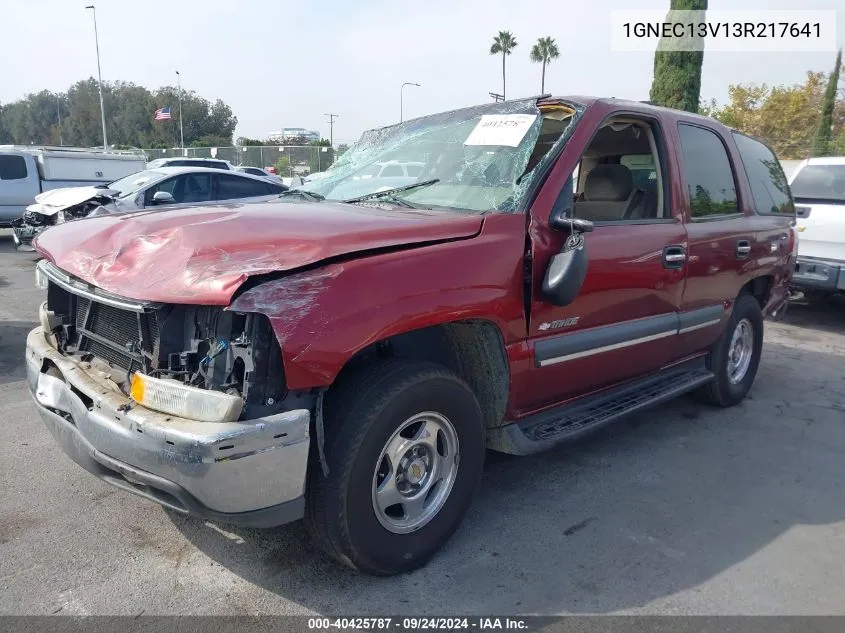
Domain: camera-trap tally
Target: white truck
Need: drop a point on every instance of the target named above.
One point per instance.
(26, 171)
(818, 187)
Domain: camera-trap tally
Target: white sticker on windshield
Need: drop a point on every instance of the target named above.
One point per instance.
(501, 129)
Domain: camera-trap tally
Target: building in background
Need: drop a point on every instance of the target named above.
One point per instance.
(289, 133)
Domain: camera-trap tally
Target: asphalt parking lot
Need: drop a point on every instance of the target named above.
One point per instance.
(683, 510)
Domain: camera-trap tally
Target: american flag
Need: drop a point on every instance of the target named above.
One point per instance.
(162, 114)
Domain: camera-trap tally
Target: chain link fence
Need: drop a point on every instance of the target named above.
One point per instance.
(289, 160)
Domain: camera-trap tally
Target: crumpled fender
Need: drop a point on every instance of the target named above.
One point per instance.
(323, 316)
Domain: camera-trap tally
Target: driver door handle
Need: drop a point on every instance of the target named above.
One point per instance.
(674, 256)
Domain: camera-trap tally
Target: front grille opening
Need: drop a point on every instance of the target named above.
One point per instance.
(113, 324)
(201, 346)
(124, 339)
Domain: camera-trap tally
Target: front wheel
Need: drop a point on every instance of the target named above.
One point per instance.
(405, 448)
(735, 357)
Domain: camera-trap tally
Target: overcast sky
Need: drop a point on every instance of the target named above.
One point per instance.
(284, 64)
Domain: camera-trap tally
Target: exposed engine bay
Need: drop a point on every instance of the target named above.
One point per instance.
(198, 346)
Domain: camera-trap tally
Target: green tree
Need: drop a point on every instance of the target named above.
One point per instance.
(322, 156)
(677, 73)
(503, 44)
(212, 140)
(5, 137)
(283, 167)
(83, 126)
(543, 52)
(824, 130)
(200, 118)
(33, 119)
(786, 117)
(243, 141)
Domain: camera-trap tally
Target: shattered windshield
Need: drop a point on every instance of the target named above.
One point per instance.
(134, 182)
(476, 159)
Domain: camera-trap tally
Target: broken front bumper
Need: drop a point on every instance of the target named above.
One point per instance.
(23, 234)
(245, 473)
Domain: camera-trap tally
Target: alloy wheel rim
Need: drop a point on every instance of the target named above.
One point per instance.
(415, 472)
(740, 351)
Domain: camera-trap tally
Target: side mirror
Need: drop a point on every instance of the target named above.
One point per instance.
(572, 225)
(163, 197)
(567, 270)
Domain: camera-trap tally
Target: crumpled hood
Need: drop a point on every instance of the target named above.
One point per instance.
(55, 200)
(201, 255)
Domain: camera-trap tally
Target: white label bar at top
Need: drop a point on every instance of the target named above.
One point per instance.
(727, 31)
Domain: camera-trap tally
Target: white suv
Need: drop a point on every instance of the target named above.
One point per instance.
(818, 186)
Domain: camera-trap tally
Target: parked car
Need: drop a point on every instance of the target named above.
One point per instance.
(257, 171)
(348, 360)
(818, 185)
(211, 163)
(28, 171)
(392, 169)
(165, 187)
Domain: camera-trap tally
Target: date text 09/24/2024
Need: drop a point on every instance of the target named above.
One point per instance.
(418, 623)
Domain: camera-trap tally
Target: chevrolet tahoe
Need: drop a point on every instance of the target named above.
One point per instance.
(348, 353)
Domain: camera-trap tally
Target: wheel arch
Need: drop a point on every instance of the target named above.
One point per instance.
(474, 349)
(760, 288)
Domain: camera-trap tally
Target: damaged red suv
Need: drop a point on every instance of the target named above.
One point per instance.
(505, 277)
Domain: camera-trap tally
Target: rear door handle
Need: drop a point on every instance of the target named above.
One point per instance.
(743, 248)
(674, 256)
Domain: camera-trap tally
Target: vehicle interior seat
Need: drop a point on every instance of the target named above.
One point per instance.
(194, 191)
(645, 208)
(609, 194)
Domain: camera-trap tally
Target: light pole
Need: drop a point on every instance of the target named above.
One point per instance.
(181, 133)
(99, 77)
(59, 116)
(402, 100)
(332, 117)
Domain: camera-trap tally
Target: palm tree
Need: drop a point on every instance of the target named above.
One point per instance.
(503, 43)
(544, 51)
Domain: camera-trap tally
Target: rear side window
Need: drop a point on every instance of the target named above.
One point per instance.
(12, 168)
(231, 187)
(769, 186)
(708, 173)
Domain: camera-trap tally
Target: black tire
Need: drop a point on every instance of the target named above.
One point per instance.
(362, 412)
(721, 391)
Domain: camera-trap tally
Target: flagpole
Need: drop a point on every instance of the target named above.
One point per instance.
(181, 133)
